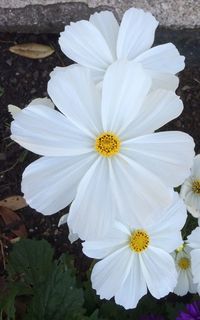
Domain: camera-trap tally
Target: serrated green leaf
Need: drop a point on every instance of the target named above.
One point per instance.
(31, 261)
(57, 298)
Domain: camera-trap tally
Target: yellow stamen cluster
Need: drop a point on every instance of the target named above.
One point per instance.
(196, 186)
(184, 263)
(107, 144)
(139, 241)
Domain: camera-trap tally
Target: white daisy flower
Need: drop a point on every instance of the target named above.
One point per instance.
(185, 282)
(137, 258)
(190, 190)
(193, 242)
(102, 150)
(99, 42)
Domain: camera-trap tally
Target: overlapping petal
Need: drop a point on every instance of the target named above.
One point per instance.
(124, 89)
(94, 207)
(85, 44)
(107, 24)
(109, 273)
(168, 155)
(76, 96)
(159, 271)
(159, 107)
(163, 58)
(50, 183)
(136, 33)
(45, 131)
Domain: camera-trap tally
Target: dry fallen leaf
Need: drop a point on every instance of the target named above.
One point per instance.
(32, 50)
(13, 203)
(12, 222)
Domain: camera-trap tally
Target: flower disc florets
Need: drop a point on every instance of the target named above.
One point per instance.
(196, 186)
(184, 263)
(139, 241)
(107, 144)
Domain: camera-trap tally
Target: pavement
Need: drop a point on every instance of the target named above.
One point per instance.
(38, 16)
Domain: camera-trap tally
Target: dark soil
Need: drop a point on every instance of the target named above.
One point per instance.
(22, 80)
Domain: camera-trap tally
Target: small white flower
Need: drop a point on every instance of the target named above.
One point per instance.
(102, 152)
(99, 42)
(72, 236)
(185, 282)
(137, 258)
(190, 190)
(193, 242)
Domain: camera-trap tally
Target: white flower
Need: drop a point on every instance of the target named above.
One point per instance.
(72, 236)
(190, 190)
(183, 266)
(99, 42)
(193, 242)
(135, 258)
(102, 151)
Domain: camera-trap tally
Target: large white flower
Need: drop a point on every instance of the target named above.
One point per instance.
(185, 282)
(102, 150)
(193, 242)
(190, 190)
(137, 257)
(99, 42)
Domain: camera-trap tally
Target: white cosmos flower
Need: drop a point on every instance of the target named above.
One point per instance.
(190, 190)
(185, 282)
(99, 42)
(101, 151)
(193, 242)
(137, 257)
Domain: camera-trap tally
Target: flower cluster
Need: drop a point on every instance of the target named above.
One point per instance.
(102, 153)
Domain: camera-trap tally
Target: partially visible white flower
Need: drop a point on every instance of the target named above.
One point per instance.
(44, 101)
(102, 152)
(185, 282)
(99, 42)
(137, 258)
(72, 236)
(190, 190)
(193, 242)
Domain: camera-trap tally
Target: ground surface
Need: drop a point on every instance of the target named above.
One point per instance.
(22, 80)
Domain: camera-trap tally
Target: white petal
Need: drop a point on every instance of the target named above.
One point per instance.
(195, 265)
(63, 219)
(72, 236)
(162, 80)
(85, 44)
(109, 274)
(164, 58)
(133, 288)
(75, 94)
(107, 24)
(159, 107)
(165, 231)
(182, 286)
(168, 155)
(45, 131)
(193, 239)
(136, 33)
(93, 209)
(14, 110)
(196, 167)
(50, 184)
(44, 101)
(159, 271)
(122, 100)
(139, 195)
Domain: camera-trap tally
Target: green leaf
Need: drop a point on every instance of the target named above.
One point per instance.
(57, 298)
(31, 261)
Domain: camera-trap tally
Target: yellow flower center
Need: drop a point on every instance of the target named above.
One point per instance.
(107, 144)
(139, 241)
(196, 186)
(184, 263)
